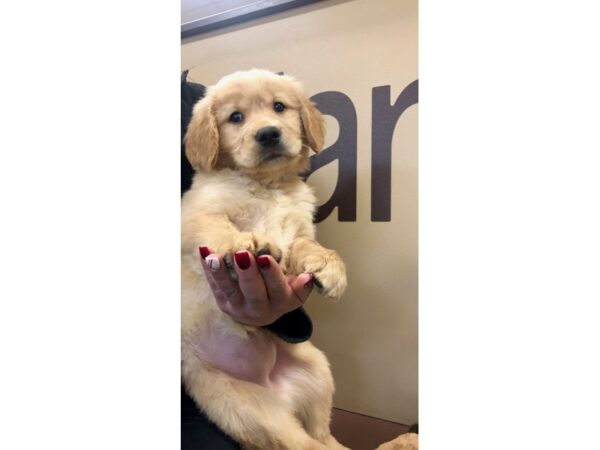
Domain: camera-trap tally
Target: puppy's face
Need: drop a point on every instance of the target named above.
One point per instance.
(257, 122)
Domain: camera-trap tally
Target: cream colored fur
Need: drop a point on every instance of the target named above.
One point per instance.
(241, 200)
(408, 441)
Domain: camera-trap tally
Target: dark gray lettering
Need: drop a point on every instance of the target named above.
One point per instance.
(344, 150)
(384, 119)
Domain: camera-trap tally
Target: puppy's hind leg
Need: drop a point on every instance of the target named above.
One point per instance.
(249, 413)
(313, 393)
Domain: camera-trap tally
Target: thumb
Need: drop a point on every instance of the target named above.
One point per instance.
(302, 285)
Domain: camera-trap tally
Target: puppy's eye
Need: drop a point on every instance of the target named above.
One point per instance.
(236, 117)
(279, 107)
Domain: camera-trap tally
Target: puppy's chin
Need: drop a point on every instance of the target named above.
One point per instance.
(271, 155)
(275, 164)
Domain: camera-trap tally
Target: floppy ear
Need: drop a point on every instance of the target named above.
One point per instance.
(202, 137)
(313, 125)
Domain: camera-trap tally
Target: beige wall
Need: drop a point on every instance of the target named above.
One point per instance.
(350, 46)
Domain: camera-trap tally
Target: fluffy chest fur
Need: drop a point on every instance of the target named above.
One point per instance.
(283, 211)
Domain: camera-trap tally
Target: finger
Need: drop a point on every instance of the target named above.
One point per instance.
(208, 274)
(204, 252)
(221, 282)
(223, 303)
(250, 282)
(302, 286)
(280, 294)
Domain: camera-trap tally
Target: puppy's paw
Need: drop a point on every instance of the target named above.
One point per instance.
(265, 246)
(254, 243)
(329, 272)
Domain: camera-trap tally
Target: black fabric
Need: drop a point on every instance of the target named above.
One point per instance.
(293, 327)
(198, 432)
(190, 94)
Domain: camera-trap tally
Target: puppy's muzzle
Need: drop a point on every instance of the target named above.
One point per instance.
(268, 137)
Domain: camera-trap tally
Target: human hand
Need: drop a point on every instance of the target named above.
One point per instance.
(262, 294)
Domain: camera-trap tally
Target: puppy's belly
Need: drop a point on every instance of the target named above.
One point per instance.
(258, 359)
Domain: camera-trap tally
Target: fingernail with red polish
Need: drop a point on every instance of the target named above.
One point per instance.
(263, 262)
(204, 252)
(242, 259)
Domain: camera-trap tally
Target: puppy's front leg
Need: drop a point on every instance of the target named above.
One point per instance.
(307, 255)
(217, 232)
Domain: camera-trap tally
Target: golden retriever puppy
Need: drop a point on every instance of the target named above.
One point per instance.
(248, 140)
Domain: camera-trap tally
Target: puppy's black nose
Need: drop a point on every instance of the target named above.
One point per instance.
(268, 136)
